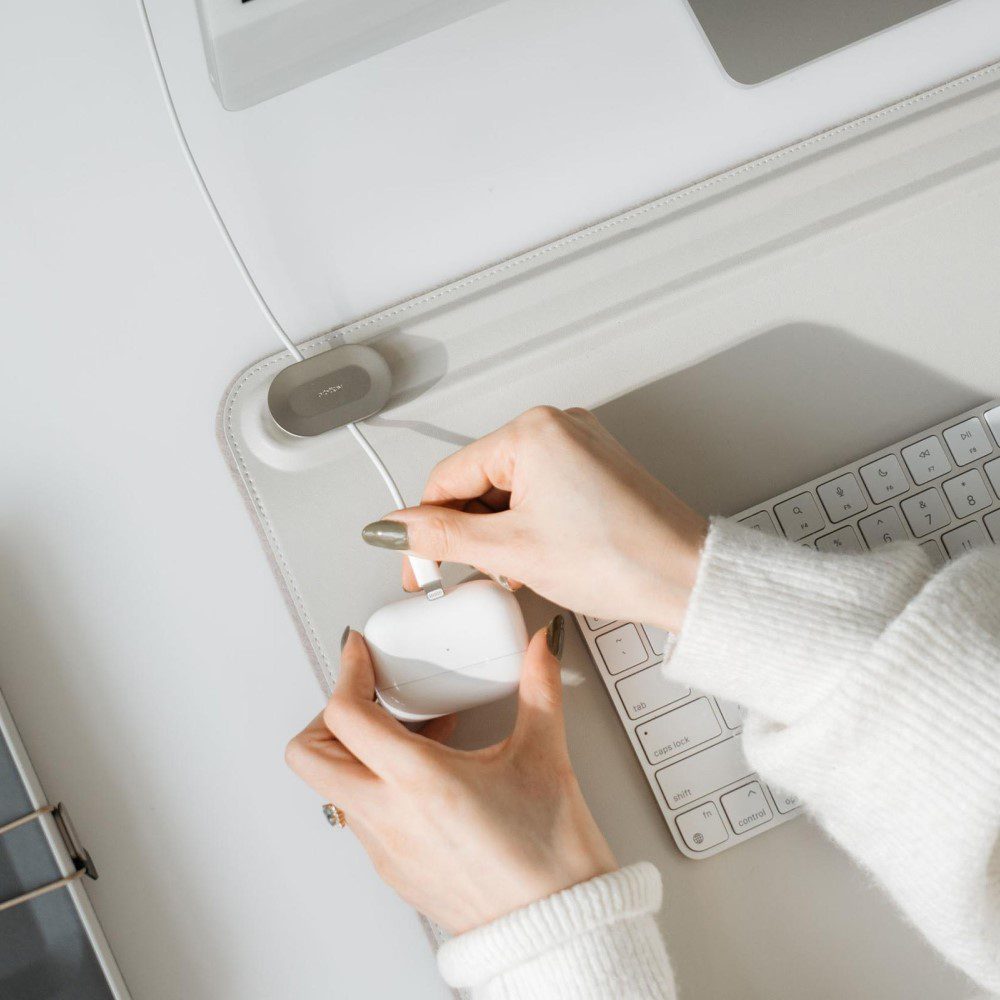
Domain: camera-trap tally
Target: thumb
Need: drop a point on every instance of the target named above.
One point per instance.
(539, 701)
(444, 534)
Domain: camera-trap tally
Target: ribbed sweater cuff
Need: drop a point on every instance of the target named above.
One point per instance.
(581, 942)
(773, 625)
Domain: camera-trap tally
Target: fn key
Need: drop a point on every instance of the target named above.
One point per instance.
(702, 828)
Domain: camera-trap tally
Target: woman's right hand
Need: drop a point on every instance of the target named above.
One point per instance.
(553, 501)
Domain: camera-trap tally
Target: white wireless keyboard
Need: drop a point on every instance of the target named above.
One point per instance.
(940, 487)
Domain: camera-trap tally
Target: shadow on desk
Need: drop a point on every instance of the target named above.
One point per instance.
(777, 410)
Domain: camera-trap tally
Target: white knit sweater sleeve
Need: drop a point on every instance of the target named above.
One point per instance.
(591, 942)
(874, 693)
(873, 685)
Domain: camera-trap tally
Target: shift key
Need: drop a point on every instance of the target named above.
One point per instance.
(678, 731)
(703, 773)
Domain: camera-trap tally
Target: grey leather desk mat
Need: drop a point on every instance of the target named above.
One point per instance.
(741, 335)
(45, 953)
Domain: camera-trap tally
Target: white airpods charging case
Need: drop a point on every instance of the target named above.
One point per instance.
(461, 650)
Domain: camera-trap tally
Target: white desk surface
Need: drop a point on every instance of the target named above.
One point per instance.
(156, 709)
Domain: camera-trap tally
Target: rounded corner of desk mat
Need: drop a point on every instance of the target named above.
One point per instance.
(233, 394)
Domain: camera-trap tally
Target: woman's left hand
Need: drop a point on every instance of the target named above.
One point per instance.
(463, 836)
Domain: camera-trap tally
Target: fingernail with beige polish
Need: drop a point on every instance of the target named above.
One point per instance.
(385, 534)
(554, 636)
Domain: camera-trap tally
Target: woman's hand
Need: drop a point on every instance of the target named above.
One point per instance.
(554, 501)
(464, 837)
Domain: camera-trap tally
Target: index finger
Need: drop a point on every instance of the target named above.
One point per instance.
(493, 503)
(478, 469)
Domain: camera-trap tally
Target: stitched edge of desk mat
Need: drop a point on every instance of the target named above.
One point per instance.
(562, 246)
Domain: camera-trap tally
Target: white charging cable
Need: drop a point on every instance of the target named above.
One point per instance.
(426, 571)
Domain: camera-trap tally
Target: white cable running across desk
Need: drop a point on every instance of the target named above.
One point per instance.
(424, 570)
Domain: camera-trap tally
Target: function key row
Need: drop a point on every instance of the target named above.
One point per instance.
(968, 441)
(884, 479)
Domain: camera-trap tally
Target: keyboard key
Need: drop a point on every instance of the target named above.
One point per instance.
(934, 551)
(968, 538)
(885, 479)
(679, 730)
(761, 521)
(657, 637)
(882, 528)
(732, 712)
(844, 539)
(597, 623)
(968, 494)
(992, 522)
(702, 828)
(703, 773)
(621, 648)
(993, 419)
(649, 690)
(784, 802)
(926, 460)
(925, 513)
(992, 469)
(968, 441)
(842, 497)
(747, 807)
(799, 516)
